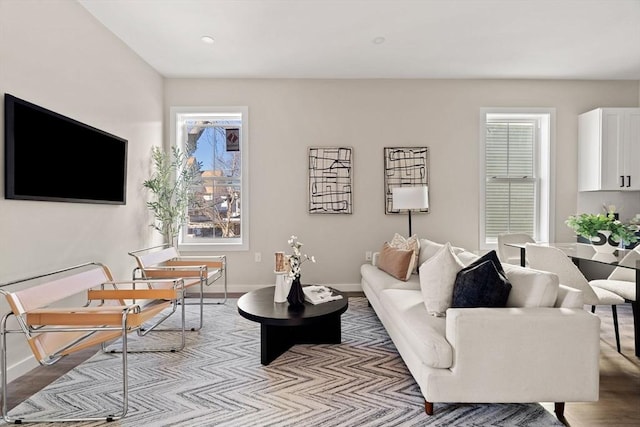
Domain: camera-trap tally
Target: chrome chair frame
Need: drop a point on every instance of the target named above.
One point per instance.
(166, 271)
(87, 332)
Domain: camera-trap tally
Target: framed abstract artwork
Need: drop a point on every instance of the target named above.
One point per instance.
(404, 167)
(330, 180)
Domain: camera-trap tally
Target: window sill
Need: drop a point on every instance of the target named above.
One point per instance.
(212, 247)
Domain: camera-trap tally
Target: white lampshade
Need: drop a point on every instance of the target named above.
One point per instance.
(416, 197)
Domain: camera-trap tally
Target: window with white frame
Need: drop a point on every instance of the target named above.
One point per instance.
(515, 174)
(216, 139)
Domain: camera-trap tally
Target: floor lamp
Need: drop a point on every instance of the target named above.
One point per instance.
(410, 198)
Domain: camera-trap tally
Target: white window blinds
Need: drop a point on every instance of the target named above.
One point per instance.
(510, 192)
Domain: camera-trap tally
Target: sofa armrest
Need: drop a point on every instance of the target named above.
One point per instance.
(537, 348)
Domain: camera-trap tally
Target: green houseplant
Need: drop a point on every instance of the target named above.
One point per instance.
(588, 226)
(172, 186)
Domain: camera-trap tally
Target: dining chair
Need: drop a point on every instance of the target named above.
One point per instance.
(509, 254)
(622, 281)
(548, 258)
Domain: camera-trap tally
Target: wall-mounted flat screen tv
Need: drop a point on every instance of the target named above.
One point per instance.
(55, 158)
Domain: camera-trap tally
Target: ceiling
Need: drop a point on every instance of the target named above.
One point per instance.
(502, 39)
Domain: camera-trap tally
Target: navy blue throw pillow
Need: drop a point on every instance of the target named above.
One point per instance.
(491, 256)
(481, 285)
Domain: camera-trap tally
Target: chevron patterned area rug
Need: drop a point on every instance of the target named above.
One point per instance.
(217, 380)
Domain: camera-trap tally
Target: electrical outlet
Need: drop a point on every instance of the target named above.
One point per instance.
(368, 255)
(258, 257)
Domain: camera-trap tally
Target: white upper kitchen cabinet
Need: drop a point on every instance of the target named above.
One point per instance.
(609, 150)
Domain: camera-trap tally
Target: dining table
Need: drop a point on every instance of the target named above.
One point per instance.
(582, 252)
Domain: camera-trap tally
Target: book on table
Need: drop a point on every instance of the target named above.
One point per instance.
(317, 294)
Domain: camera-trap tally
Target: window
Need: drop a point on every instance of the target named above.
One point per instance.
(216, 139)
(515, 174)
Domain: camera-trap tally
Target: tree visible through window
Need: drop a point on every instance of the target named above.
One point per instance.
(216, 209)
(217, 215)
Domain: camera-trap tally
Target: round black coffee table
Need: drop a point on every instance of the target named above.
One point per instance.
(282, 327)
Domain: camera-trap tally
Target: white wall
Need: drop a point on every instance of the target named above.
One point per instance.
(288, 116)
(55, 54)
(627, 203)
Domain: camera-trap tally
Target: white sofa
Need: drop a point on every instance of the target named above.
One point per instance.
(542, 347)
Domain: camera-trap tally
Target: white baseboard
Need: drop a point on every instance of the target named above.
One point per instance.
(20, 368)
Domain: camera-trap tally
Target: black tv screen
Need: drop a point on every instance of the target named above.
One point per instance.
(52, 157)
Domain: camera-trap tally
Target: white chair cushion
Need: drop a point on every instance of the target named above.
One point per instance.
(625, 289)
(613, 291)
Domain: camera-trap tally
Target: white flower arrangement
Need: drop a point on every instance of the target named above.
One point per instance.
(297, 258)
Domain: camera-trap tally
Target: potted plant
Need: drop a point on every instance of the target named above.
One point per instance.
(172, 186)
(602, 229)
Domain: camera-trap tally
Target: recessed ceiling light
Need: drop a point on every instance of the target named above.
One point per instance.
(378, 40)
(207, 39)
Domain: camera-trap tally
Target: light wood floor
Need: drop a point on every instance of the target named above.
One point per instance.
(619, 403)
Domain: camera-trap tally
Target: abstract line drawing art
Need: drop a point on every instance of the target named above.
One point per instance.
(330, 175)
(404, 167)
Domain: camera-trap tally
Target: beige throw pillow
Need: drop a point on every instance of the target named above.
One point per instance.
(437, 276)
(396, 262)
(412, 243)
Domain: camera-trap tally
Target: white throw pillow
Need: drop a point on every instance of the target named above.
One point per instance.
(429, 248)
(437, 276)
(411, 243)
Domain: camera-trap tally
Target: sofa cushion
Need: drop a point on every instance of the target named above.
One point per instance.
(412, 243)
(396, 262)
(425, 335)
(429, 248)
(467, 257)
(482, 284)
(377, 280)
(437, 275)
(531, 288)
